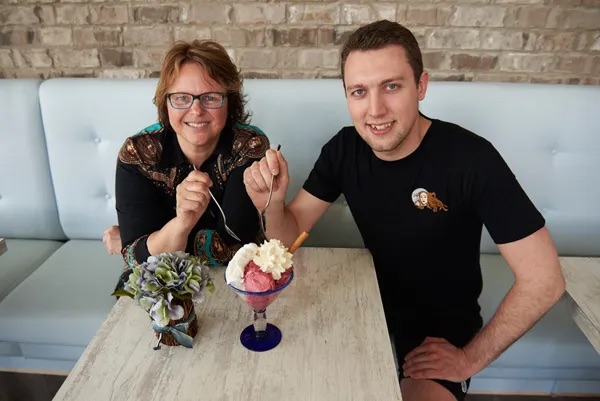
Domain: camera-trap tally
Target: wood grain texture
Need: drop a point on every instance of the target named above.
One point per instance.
(335, 344)
(582, 276)
(2, 246)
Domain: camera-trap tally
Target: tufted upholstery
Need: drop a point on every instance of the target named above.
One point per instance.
(86, 123)
(547, 133)
(549, 137)
(28, 216)
(554, 165)
(27, 205)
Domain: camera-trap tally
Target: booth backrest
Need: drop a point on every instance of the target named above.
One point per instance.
(27, 203)
(86, 122)
(550, 137)
(548, 134)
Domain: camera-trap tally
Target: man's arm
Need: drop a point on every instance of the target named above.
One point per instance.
(287, 222)
(284, 223)
(538, 285)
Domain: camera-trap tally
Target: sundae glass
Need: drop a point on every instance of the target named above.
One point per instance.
(258, 274)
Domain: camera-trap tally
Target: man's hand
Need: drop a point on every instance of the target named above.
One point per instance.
(436, 358)
(112, 240)
(257, 179)
(192, 198)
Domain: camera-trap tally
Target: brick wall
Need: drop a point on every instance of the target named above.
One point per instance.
(480, 40)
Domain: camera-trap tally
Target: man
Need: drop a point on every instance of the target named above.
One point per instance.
(426, 252)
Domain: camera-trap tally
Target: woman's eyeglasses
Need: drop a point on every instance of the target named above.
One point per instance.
(208, 100)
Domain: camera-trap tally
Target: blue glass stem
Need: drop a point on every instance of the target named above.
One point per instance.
(260, 322)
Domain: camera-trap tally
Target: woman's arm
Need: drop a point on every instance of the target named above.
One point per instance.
(142, 210)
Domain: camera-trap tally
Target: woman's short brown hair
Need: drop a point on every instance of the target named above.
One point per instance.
(219, 66)
(380, 34)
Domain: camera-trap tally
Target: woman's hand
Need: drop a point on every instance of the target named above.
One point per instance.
(192, 198)
(112, 240)
(257, 179)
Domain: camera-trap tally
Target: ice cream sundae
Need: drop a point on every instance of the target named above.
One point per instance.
(258, 269)
(258, 274)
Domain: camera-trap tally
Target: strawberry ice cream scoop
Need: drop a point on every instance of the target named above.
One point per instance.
(284, 278)
(256, 280)
(271, 258)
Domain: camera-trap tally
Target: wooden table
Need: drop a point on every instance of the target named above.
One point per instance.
(2, 246)
(583, 288)
(335, 344)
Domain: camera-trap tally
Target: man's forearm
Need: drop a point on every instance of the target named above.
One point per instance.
(522, 307)
(281, 224)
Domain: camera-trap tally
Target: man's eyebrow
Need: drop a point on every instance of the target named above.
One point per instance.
(396, 78)
(385, 81)
(352, 87)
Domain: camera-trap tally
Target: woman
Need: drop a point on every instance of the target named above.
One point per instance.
(202, 143)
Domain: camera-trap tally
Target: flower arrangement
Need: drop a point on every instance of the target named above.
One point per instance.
(160, 284)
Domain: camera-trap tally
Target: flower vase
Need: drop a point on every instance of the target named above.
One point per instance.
(165, 335)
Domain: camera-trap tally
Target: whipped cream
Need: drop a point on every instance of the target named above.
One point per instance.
(235, 268)
(272, 257)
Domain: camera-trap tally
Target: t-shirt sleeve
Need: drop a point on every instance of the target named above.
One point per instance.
(325, 180)
(500, 201)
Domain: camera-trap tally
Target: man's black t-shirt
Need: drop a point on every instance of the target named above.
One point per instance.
(422, 216)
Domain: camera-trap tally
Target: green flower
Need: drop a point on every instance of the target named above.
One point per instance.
(163, 311)
(133, 283)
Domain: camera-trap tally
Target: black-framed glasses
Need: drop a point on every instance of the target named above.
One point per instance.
(208, 100)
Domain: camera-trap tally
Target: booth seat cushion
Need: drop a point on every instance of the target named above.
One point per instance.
(64, 301)
(336, 229)
(10, 349)
(23, 257)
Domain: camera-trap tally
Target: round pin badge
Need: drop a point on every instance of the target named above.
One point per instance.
(419, 197)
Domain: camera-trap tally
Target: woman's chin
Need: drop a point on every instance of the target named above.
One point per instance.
(198, 138)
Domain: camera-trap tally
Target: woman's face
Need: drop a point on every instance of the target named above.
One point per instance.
(423, 198)
(197, 128)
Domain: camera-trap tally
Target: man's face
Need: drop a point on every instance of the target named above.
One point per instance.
(383, 100)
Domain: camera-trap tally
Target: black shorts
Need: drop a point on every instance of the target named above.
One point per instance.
(458, 390)
(404, 344)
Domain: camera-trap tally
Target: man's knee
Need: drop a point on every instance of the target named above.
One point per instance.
(424, 390)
